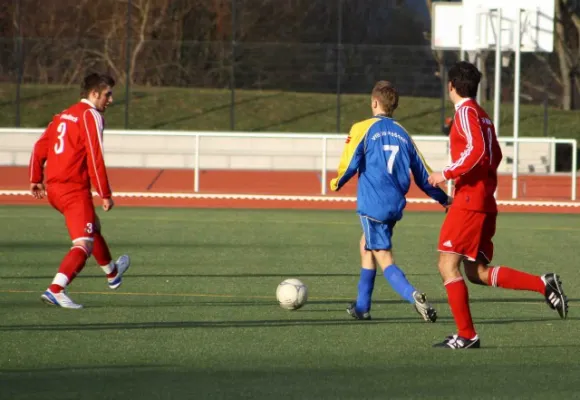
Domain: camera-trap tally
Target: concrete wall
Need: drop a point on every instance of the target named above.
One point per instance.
(173, 150)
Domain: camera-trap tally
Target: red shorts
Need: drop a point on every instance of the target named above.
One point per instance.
(78, 210)
(468, 233)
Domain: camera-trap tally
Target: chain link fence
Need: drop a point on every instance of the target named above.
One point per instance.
(346, 54)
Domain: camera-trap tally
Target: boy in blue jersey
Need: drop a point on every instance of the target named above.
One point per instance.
(384, 155)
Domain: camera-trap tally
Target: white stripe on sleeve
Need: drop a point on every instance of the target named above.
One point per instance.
(96, 119)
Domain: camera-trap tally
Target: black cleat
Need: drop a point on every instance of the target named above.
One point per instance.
(351, 310)
(458, 343)
(555, 296)
(423, 307)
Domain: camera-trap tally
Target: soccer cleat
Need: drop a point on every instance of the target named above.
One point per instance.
(59, 299)
(123, 263)
(455, 342)
(423, 307)
(555, 296)
(351, 310)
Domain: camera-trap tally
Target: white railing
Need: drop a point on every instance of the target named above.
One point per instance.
(324, 138)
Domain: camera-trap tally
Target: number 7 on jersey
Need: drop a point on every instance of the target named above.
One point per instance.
(394, 149)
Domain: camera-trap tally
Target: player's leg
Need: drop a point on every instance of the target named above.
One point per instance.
(113, 269)
(378, 239)
(459, 238)
(360, 309)
(80, 219)
(479, 272)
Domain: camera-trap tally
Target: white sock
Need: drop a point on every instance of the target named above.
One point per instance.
(60, 279)
(110, 267)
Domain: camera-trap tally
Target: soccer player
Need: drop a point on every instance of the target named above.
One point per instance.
(72, 148)
(467, 232)
(383, 154)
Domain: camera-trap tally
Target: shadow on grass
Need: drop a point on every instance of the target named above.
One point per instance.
(64, 246)
(228, 276)
(205, 324)
(225, 106)
(419, 114)
(300, 379)
(41, 94)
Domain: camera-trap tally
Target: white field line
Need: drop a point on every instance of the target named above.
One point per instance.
(327, 199)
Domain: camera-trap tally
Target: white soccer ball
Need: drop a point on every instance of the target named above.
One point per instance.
(292, 294)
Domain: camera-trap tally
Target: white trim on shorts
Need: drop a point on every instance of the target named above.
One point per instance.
(88, 239)
(468, 258)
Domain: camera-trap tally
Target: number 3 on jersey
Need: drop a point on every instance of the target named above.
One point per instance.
(59, 146)
(394, 150)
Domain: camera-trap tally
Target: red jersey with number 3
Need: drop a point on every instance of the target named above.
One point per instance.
(72, 147)
(475, 157)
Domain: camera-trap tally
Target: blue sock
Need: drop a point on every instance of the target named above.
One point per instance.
(399, 282)
(366, 284)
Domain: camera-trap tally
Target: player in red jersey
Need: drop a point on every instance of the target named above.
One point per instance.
(469, 226)
(72, 148)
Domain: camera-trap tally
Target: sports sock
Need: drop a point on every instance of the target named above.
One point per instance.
(71, 265)
(103, 255)
(366, 284)
(458, 298)
(399, 282)
(509, 278)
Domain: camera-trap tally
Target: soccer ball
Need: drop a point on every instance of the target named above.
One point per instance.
(292, 294)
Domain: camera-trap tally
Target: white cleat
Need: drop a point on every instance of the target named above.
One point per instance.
(59, 299)
(123, 263)
(424, 308)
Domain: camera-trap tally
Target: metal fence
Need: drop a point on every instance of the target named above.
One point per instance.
(327, 46)
(280, 151)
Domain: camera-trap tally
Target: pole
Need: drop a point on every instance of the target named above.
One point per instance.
(497, 83)
(19, 60)
(546, 112)
(443, 76)
(517, 104)
(323, 171)
(233, 71)
(338, 63)
(574, 168)
(479, 62)
(196, 165)
(128, 65)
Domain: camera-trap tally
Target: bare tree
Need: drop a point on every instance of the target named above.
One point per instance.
(568, 50)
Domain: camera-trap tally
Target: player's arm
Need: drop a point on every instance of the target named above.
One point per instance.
(36, 164)
(93, 131)
(421, 171)
(496, 154)
(351, 157)
(469, 127)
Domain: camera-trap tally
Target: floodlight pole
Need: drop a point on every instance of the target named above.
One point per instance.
(479, 63)
(497, 83)
(518, 60)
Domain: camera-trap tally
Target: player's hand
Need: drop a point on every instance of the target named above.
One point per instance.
(37, 190)
(436, 178)
(334, 184)
(108, 204)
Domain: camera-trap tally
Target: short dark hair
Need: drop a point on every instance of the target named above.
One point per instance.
(464, 77)
(95, 81)
(387, 96)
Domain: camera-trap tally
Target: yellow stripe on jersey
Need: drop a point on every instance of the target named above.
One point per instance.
(427, 167)
(355, 138)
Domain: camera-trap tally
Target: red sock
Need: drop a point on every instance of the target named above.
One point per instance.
(508, 278)
(70, 266)
(101, 250)
(458, 298)
(102, 253)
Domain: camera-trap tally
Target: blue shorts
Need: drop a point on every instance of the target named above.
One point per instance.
(377, 234)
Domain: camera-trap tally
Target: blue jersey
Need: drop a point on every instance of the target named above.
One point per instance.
(384, 155)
